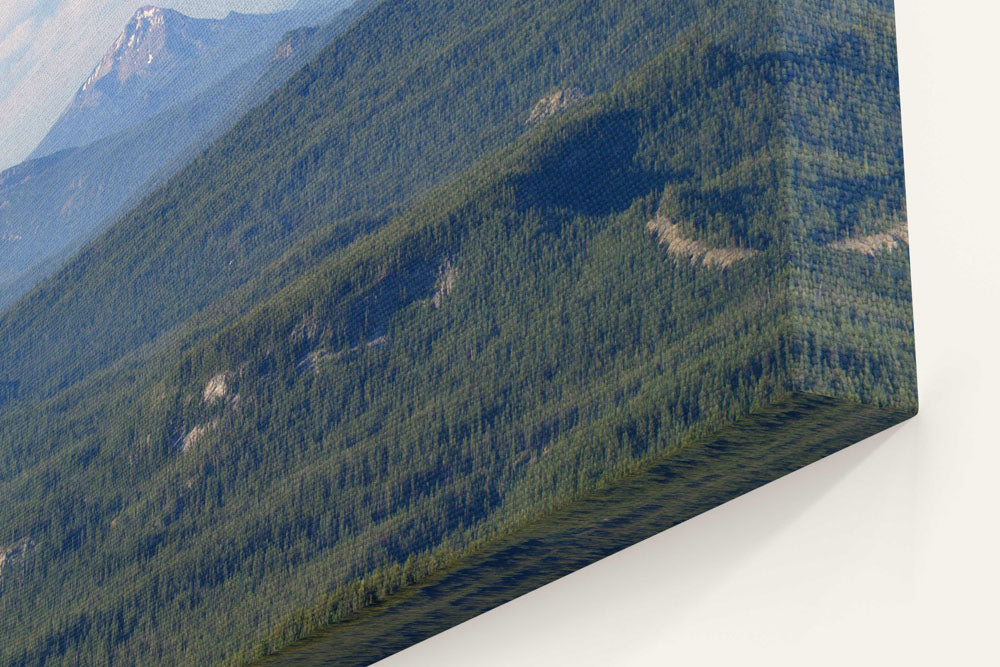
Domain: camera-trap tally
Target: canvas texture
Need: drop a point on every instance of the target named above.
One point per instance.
(530, 282)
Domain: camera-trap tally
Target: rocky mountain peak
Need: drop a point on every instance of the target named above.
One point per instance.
(150, 13)
(136, 49)
(159, 59)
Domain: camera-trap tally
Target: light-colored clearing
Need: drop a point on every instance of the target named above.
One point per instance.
(216, 388)
(313, 360)
(869, 245)
(445, 284)
(196, 434)
(16, 551)
(693, 250)
(555, 102)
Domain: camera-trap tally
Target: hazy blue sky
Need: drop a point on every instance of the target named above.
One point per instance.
(48, 47)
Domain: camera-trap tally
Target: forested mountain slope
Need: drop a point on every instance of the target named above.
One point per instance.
(49, 207)
(363, 414)
(405, 99)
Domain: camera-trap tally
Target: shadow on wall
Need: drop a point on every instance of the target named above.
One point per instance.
(693, 564)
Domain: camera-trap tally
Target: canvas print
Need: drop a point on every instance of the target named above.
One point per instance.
(326, 329)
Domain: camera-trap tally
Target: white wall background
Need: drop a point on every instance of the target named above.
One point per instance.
(884, 554)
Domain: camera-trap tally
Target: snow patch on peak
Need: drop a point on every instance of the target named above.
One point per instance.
(148, 12)
(150, 15)
(93, 77)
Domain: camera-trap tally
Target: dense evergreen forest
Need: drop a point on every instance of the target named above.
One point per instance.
(385, 320)
(410, 96)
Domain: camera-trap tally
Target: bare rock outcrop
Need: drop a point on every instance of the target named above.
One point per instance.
(13, 561)
(556, 102)
(196, 434)
(445, 284)
(874, 243)
(692, 250)
(292, 42)
(217, 388)
(312, 361)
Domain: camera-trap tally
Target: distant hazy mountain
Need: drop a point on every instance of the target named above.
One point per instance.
(319, 7)
(50, 205)
(161, 58)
